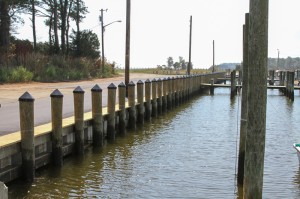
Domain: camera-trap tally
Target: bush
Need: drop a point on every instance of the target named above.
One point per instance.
(20, 74)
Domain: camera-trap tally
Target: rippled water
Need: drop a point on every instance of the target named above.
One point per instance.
(187, 153)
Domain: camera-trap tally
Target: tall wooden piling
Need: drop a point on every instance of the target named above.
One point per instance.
(164, 98)
(98, 134)
(26, 105)
(56, 115)
(159, 96)
(148, 100)
(122, 108)
(169, 96)
(140, 99)
(78, 94)
(154, 98)
(131, 103)
(257, 99)
(244, 106)
(212, 86)
(233, 84)
(3, 191)
(111, 110)
(291, 87)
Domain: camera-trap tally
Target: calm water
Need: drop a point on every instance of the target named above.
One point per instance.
(188, 153)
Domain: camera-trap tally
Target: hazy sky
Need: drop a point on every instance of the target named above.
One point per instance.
(160, 29)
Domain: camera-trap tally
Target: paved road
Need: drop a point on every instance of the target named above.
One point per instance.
(10, 93)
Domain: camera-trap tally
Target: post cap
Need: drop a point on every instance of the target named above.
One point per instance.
(147, 81)
(122, 84)
(131, 83)
(26, 97)
(78, 89)
(96, 88)
(112, 86)
(56, 93)
(159, 80)
(154, 80)
(140, 82)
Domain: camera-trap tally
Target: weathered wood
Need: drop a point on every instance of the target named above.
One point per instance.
(159, 96)
(26, 104)
(111, 110)
(131, 103)
(154, 98)
(56, 115)
(98, 133)
(140, 99)
(164, 97)
(148, 100)
(3, 191)
(244, 106)
(212, 86)
(169, 91)
(78, 94)
(122, 112)
(257, 98)
(233, 84)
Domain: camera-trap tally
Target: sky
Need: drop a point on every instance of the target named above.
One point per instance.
(160, 29)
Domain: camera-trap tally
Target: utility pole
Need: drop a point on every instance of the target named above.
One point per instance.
(102, 37)
(190, 47)
(127, 48)
(278, 59)
(257, 99)
(213, 69)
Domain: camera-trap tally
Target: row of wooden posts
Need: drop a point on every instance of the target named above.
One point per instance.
(166, 94)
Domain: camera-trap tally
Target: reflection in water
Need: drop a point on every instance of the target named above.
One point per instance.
(187, 153)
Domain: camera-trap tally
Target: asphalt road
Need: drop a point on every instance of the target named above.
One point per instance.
(10, 93)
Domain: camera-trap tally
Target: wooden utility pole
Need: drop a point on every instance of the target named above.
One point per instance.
(127, 50)
(244, 110)
(190, 47)
(102, 38)
(257, 99)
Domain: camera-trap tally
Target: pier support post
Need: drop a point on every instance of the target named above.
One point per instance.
(26, 105)
(56, 115)
(292, 78)
(122, 108)
(111, 110)
(159, 95)
(79, 120)
(140, 99)
(272, 77)
(244, 106)
(148, 100)
(212, 86)
(154, 98)
(233, 84)
(131, 103)
(164, 97)
(257, 99)
(173, 92)
(169, 96)
(98, 134)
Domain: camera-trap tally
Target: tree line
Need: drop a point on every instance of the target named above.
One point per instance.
(57, 14)
(181, 64)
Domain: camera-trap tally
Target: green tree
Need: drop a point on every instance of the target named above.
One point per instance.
(170, 62)
(89, 44)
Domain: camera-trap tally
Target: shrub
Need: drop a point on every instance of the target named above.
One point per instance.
(20, 74)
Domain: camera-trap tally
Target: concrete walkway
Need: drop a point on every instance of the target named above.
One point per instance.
(10, 93)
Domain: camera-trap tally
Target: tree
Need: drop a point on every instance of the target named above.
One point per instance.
(89, 44)
(170, 62)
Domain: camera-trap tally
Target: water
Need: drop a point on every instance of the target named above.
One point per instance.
(188, 153)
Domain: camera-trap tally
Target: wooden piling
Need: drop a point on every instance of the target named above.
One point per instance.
(164, 98)
(233, 84)
(111, 110)
(140, 99)
(169, 95)
(154, 98)
(122, 108)
(244, 105)
(78, 94)
(176, 90)
(3, 191)
(212, 86)
(131, 103)
(98, 134)
(148, 100)
(257, 99)
(292, 79)
(26, 105)
(56, 115)
(159, 95)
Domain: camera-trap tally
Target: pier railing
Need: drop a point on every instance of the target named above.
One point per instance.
(21, 153)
